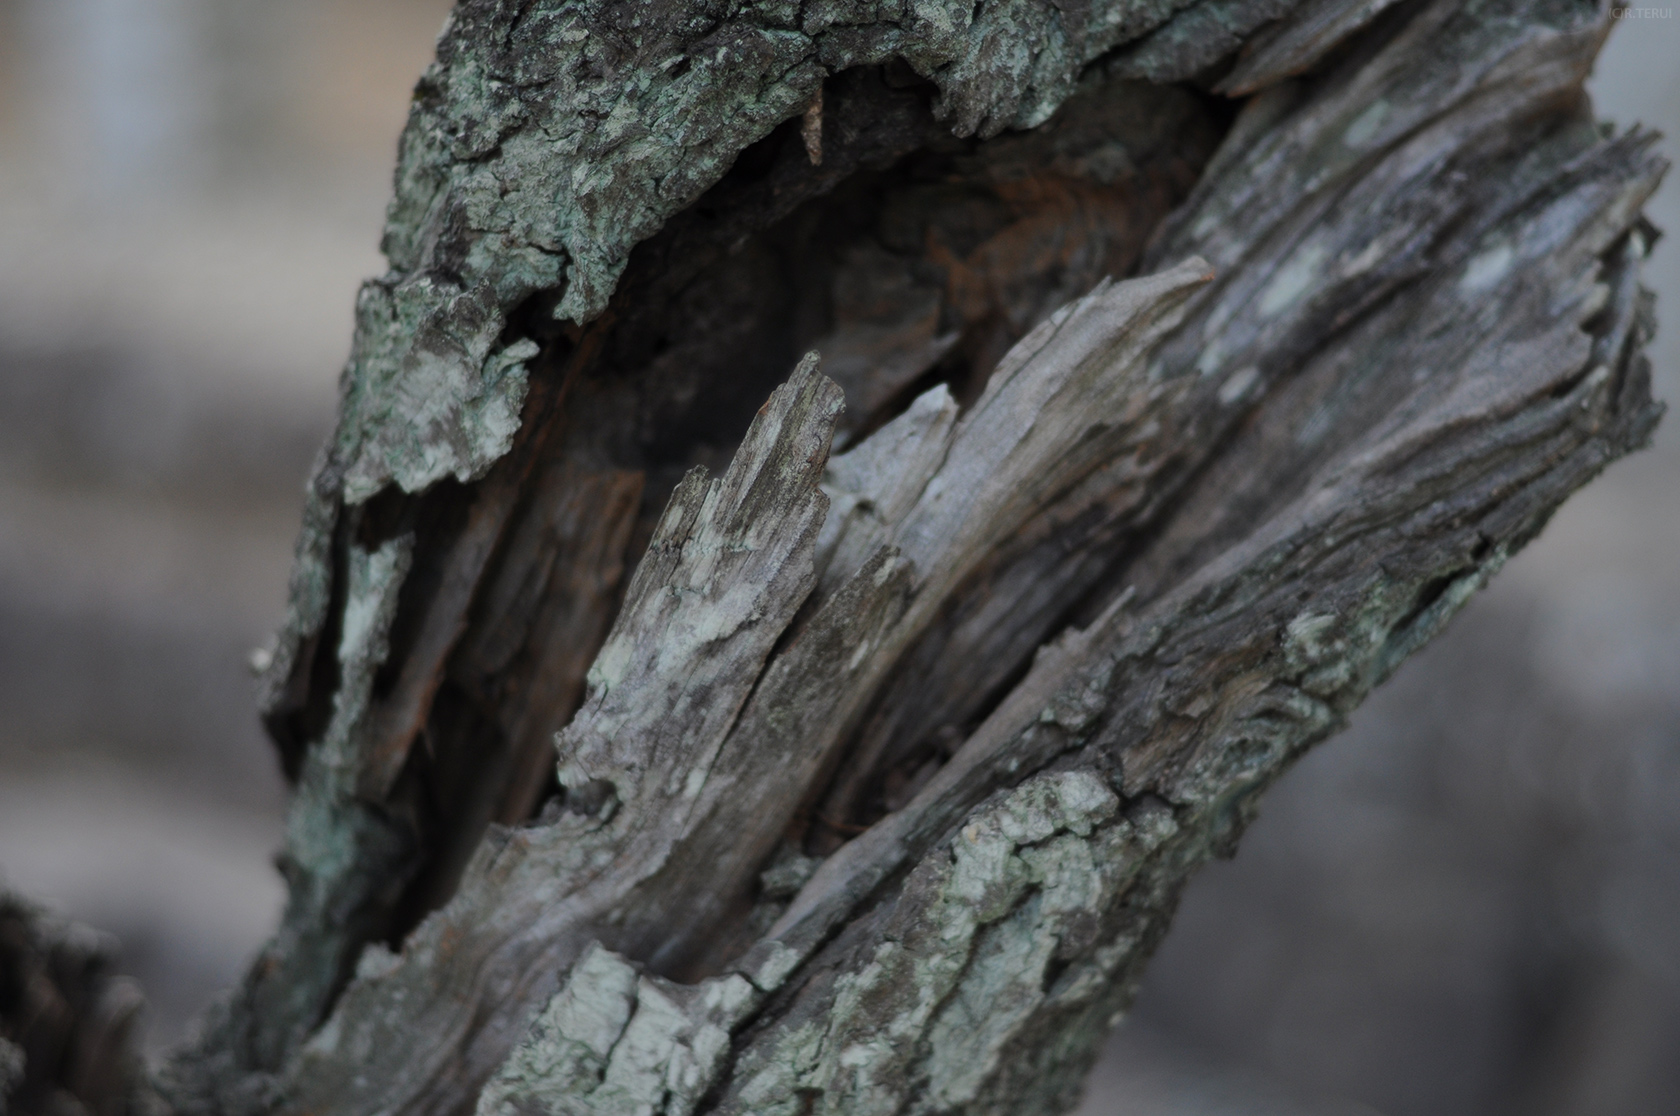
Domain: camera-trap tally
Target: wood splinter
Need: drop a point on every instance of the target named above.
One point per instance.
(810, 130)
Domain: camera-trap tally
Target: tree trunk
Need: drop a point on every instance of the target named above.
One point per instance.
(893, 713)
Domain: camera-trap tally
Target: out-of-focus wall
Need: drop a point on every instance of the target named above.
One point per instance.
(190, 191)
(1466, 904)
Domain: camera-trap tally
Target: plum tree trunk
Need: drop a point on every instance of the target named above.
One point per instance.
(839, 509)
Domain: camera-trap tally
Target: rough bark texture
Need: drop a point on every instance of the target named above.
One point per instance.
(879, 776)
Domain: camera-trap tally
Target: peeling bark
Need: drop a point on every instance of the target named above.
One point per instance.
(1170, 418)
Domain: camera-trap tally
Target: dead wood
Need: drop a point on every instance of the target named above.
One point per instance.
(1184, 369)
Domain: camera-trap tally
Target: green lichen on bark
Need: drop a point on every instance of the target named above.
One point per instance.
(962, 964)
(339, 850)
(549, 139)
(617, 1042)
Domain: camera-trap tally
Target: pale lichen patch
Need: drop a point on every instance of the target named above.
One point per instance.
(617, 1042)
(1488, 268)
(1365, 126)
(1298, 275)
(963, 968)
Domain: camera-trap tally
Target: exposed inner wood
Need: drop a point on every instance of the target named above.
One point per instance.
(917, 270)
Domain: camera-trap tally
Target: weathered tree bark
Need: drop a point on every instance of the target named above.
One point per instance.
(1177, 370)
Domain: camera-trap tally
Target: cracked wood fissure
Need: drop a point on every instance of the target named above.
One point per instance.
(878, 775)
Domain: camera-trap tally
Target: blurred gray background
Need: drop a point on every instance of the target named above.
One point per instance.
(1470, 903)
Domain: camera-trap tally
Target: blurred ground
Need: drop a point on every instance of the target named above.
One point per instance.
(1470, 903)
